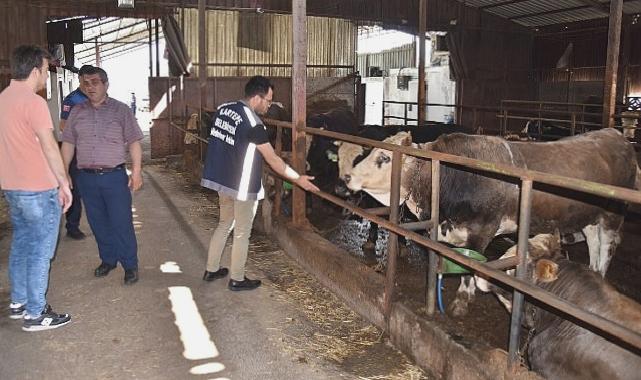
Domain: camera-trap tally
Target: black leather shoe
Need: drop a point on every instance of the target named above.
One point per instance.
(131, 276)
(246, 284)
(211, 276)
(103, 270)
(76, 234)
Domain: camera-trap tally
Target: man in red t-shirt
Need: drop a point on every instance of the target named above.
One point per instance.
(34, 181)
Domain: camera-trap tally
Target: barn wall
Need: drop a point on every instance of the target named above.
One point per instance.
(323, 94)
(496, 62)
(586, 65)
(402, 56)
(19, 25)
(246, 44)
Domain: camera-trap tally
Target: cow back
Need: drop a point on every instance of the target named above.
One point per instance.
(603, 156)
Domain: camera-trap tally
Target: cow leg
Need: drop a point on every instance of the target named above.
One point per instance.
(467, 288)
(464, 295)
(370, 244)
(591, 233)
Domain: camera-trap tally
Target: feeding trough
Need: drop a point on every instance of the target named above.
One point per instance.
(450, 267)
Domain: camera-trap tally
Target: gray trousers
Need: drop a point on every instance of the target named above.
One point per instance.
(238, 216)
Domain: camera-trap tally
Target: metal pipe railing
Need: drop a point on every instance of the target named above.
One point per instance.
(520, 286)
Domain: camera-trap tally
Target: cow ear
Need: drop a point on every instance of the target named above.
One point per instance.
(407, 141)
(546, 270)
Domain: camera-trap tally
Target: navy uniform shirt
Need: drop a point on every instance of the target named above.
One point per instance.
(233, 165)
(75, 97)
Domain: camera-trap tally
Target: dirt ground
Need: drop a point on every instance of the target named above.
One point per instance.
(487, 320)
(291, 327)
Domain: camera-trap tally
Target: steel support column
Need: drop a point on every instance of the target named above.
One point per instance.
(151, 52)
(299, 106)
(521, 270)
(433, 257)
(612, 63)
(202, 54)
(157, 49)
(392, 241)
(422, 28)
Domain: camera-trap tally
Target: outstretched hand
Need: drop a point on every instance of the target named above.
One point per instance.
(304, 181)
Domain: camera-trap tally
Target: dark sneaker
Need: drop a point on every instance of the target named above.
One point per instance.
(16, 310)
(246, 284)
(103, 269)
(211, 276)
(46, 321)
(76, 234)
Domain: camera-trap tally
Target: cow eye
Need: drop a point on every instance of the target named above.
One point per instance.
(382, 159)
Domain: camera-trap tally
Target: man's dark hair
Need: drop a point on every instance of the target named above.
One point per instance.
(258, 85)
(91, 70)
(25, 58)
(84, 69)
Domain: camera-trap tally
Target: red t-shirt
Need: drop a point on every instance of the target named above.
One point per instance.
(23, 165)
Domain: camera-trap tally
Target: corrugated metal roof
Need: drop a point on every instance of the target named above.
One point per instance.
(114, 37)
(538, 13)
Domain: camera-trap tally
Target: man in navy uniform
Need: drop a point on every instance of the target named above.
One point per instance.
(72, 215)
(233, 167)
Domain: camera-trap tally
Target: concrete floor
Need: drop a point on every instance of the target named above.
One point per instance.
(172, 325)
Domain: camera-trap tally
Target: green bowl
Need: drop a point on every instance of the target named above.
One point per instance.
(450, 267)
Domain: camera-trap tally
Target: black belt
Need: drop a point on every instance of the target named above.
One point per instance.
(103, 170)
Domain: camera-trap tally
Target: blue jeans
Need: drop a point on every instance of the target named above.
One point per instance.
(107, 201)
(35, 217)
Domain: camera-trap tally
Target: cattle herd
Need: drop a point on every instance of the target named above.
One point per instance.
(475, 208)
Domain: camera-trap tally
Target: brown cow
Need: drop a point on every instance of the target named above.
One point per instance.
(560, 349)
(475, 208)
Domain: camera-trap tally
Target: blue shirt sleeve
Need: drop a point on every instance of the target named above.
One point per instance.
(71, 100)
(67, 105)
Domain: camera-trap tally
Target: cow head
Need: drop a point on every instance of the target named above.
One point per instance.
(349, 155)
(543, 251)
(373, 173)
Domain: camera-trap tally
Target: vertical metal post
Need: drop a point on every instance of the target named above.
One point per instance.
(433, 258)
(422, 28)
(151, 53)
(405, 113)
(521, 270)
(612, 63)
(279, 182)
(475, 117)
(169, 100)
(157, 48)
(97, 47)
(504, 124)
(202, 55)
(383, 111)
(299, 106)
(392, 241)
(573, 124)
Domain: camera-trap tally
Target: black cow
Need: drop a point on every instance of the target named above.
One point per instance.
(542, 130)
(475, 208)
(321, 151)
